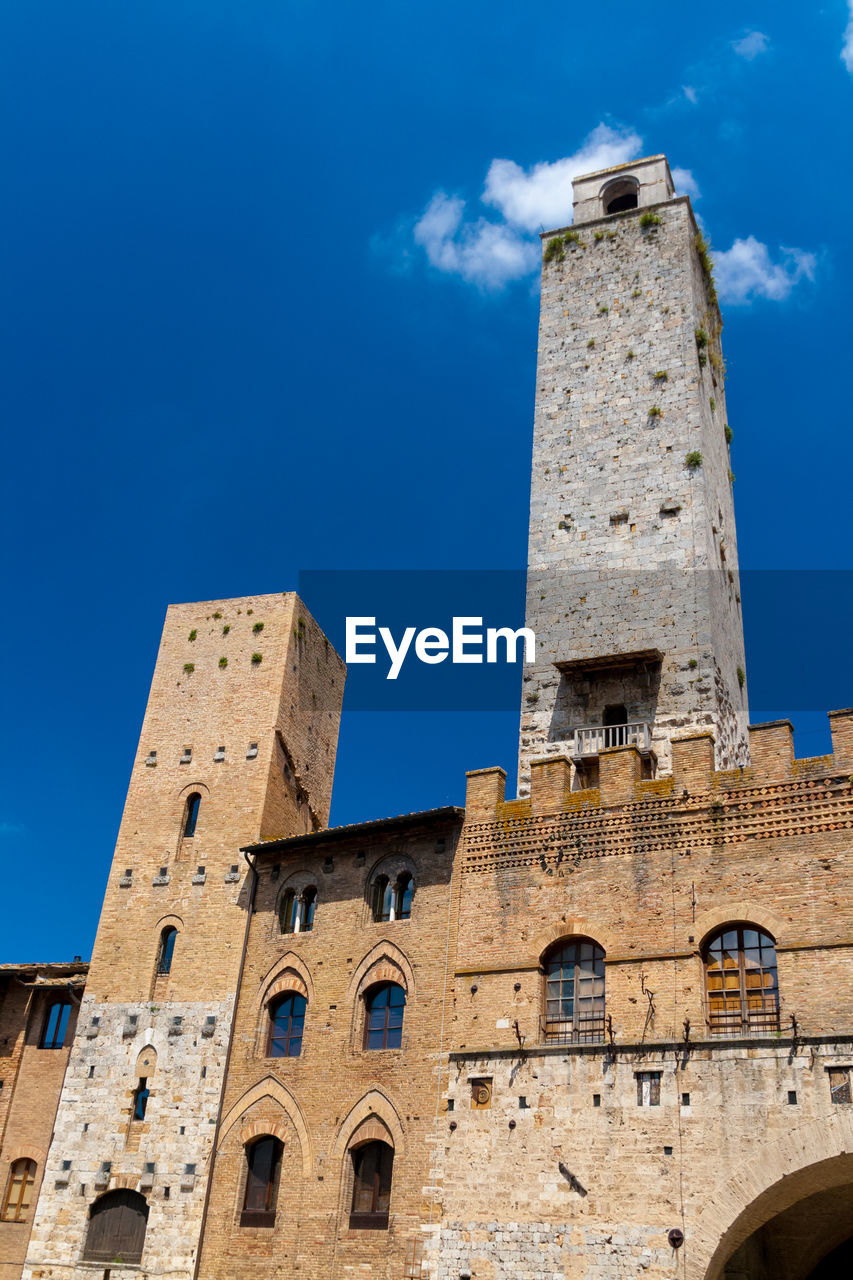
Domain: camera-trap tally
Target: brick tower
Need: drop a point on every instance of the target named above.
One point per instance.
(238, 743)
(633, 587)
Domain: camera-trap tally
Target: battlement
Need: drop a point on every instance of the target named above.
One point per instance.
(693, 773)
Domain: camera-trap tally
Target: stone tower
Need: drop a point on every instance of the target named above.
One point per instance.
(633, 587)
(238, 743)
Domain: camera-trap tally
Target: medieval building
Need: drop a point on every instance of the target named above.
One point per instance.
(602, 1030)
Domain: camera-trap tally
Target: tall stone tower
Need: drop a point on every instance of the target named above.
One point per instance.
(238, 743)
(633, 587)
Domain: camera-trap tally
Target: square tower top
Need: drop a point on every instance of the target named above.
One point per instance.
(624, 186)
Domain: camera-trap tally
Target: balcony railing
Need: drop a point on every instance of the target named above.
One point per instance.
(760, 1019)
(586, 1028)
(592, 739)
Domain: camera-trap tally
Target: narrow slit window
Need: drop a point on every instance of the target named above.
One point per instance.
(167, 949)
(140, 1100)
(191, 815)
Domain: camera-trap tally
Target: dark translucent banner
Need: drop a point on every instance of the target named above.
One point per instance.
(428, 630)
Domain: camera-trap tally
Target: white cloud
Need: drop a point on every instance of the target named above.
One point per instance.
(492, 254)
(847, 47)
(751, 45)
(746, 271)
(542, 196)
(690, 93)
(685, 183)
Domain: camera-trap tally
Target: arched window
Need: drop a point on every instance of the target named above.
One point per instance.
(371, 1190)
(55, 1025)
(383, 899)
(167, 949)
(574, 992)
(404, 891)
(287, 1020)
(383, 1023)
(263, 1159)
(19, 1191)
(392, 901)
(741, 980)
(296, 912)
(116, 1231)
(191, 815)
(621, 194)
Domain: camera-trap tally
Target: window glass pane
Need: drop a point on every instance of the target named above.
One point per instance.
(407, 892)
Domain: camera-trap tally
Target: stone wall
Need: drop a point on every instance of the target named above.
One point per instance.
(564, 1174)
(244, 711)
(630, 548)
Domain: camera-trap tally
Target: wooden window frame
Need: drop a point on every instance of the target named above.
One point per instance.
(371, 994)
(585, 1022)
(17, 1211)
(262, 1217)
(272, 1012)
(653, 1080)
(374, 1219)
(48, 1039)
(729, 1012)
(840, 1086)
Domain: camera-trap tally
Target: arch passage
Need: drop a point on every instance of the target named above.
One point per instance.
(116, 1231)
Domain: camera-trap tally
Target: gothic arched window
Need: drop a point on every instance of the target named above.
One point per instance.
(392, 901)
(741, 980)
(296, 911)
(287, 1022)
(19, 1191)
(383, 1022)
(116, 1231)
(55, 1025)
(263, 1160)
(166, 949)
(574, 992)
(191, 815)
(371, 1190)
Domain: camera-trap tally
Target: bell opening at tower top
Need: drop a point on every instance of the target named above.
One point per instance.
(621, 195)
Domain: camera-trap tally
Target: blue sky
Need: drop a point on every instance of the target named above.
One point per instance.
(270, 305)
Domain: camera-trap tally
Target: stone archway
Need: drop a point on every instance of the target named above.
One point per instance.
(810, 1170)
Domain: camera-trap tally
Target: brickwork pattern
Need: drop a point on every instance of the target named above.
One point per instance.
(244, 710)
(336, 1093)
